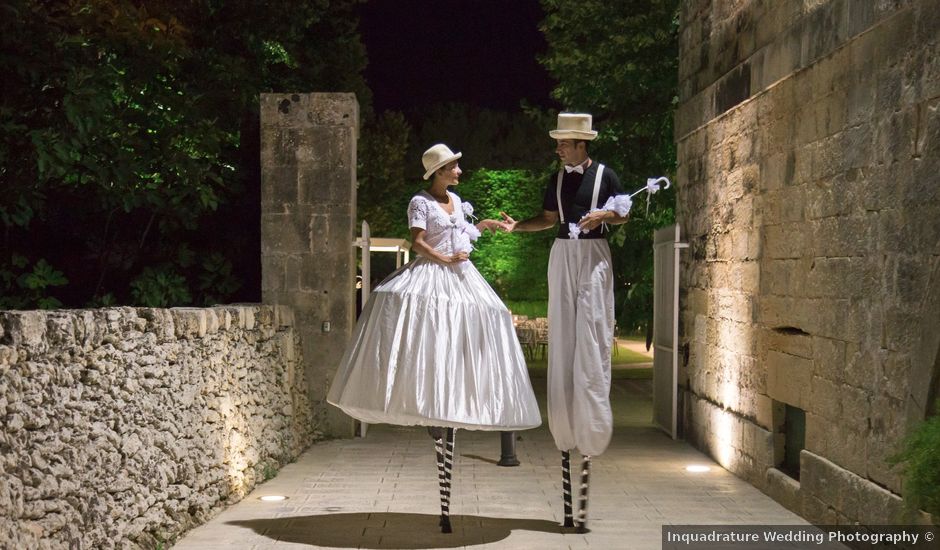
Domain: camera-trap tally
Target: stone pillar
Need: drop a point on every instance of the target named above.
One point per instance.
(308, 214)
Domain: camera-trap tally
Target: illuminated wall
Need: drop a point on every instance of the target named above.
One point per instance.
(808, 145)
(124, 427)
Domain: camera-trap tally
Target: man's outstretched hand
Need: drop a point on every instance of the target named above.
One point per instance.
(491, 225)
(508, 224)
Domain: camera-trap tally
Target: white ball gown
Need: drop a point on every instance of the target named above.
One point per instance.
(434, 345)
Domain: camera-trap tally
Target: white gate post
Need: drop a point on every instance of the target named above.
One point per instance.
(666, 247)
(365, 244)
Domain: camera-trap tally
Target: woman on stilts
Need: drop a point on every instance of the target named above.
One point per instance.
(434, 345)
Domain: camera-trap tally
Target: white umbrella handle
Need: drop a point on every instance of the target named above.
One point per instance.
(652, 186)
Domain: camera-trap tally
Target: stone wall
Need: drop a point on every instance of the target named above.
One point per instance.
(308, 218)
(809, 152)
(123, 427)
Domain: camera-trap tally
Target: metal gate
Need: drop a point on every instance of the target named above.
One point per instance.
(666, 247)
(368, 244)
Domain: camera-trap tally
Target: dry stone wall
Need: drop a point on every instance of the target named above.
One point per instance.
(123, 427)
(809, 152)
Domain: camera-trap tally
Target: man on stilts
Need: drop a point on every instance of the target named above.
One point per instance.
(583, 198)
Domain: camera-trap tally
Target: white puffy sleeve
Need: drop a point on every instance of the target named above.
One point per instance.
(418, 213)
(467, 225)
(620, 204)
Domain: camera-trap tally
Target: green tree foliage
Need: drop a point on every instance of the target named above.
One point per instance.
(487, 138)
(160, 287)
(129, 133)
(514, 264)
(390, 173)
(617, 59)
(22, 286)
(920, 460)
(384, 190)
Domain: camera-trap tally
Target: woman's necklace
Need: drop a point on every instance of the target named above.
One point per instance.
(441, 199)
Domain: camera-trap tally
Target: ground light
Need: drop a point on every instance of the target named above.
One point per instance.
(697, 468)
(273, 498)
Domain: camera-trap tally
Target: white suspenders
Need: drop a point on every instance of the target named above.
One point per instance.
(597, 186)
(597, 190)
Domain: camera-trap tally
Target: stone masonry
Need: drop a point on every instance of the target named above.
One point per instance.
(809, 190)
(308, 216)
(124, 427)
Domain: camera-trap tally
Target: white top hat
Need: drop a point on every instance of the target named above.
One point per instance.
(574, 126)
(437, 156)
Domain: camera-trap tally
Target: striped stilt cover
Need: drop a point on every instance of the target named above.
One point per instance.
(566, 486)
(582, 509)
(439, 450)
(446, 484)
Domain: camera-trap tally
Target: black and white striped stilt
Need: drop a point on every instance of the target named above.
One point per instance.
(582, 508)
(439, 450)
(566, 486)
(446, 480)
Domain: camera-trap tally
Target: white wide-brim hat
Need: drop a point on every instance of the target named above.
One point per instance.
(437, 156)
(574, 126)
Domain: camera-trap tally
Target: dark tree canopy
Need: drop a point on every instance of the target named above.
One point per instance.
(128, 140)
(618, 60)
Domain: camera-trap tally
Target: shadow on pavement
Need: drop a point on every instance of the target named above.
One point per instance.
(382, 530)
(481, 458)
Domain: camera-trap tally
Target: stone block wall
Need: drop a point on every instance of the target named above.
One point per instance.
(809, 190)
(123, 427)
(308, 218)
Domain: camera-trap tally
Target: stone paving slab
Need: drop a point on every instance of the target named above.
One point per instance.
(381, 492)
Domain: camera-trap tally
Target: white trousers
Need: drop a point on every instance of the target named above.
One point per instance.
(580, 333)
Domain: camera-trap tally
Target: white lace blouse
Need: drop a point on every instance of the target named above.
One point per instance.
(446, 233)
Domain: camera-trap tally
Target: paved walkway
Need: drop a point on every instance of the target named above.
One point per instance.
(636, 345)
(381, 492)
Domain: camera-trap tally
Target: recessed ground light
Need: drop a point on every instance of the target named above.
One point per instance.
(273, 498)
(697, 468)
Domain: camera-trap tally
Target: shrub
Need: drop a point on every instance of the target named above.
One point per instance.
(25, 288)
(160, 287)
(920, 457)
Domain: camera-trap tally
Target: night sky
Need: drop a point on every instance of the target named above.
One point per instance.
(481, 52)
